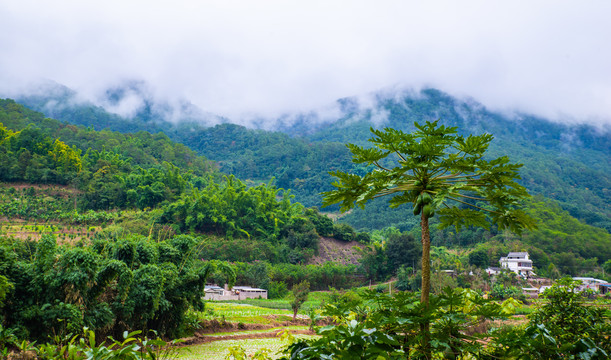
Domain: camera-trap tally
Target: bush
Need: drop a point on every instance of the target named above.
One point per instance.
(404, 278)
(108, 287)
(563, 327)
(379, 326)
(500, 291)
(277, 290)
(343, 232)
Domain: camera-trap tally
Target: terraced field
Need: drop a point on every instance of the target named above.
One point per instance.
(237, 327)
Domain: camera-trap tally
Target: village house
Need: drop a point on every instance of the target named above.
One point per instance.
(518, 262)
(213, 292)
(589, 283)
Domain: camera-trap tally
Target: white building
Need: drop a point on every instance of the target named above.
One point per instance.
(518, 262)
(213, 292)
(247, 292)
(589, 283)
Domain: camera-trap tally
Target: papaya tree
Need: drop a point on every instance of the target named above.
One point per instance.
(435, 171)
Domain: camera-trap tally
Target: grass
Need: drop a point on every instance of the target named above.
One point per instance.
(258, 331)
(247, 314)
(252, 311)
(232, 310)
(279, 304)
(238, 312)
(34, 230)
(315, 300)
(218, 350)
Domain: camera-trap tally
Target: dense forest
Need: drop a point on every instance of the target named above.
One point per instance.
(98, 226)
(126, 220)
(566, 163)
(556, 169)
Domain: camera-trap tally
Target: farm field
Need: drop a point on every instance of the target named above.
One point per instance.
(31, 231)
(220, 349)
(242, 326)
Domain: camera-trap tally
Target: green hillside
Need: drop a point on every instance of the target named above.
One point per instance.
(566, 164)
(143, 184)
(121, 231)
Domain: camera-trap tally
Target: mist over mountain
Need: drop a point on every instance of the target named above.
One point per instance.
(565, 162)
(131, 101)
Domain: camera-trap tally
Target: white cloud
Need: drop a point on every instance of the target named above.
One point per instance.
(271, 57)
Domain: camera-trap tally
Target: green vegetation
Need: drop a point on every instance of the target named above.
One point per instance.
(562, 327)
(300, 295)
(374, 325)
(566, 163)
(435, 168)
(102, 245)
(218, 350)
(108, 287)
(120, 232)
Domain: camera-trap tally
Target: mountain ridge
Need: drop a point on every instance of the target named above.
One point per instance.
(568, 163)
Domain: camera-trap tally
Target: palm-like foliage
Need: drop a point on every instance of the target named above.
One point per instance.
(436, 167)
(436, 171)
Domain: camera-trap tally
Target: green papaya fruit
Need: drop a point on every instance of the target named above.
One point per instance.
(419, 200)
(417, 209)
(428, 210)
(426, 198)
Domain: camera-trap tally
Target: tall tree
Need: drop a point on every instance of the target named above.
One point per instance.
(436, 171)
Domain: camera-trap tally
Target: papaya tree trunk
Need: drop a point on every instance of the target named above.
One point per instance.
(426, 260)
(426, 281)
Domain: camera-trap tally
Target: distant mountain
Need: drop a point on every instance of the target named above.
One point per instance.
(126, 107)
(567, 163)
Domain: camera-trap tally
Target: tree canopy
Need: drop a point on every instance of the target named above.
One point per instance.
(435, 170)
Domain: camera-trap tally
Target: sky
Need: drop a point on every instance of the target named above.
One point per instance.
(242, 59)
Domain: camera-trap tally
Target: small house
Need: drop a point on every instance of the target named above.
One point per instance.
(247, 292)
(589, 283)
(493, 270)
(518, 262)
(213, 292)
(531, 292)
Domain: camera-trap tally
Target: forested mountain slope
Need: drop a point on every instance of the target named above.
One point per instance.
(301, 164)
(164, 185)
(567, 163)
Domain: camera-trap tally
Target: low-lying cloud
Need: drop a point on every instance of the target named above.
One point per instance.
(256, 60)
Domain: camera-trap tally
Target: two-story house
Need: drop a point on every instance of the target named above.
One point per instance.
(518, 262)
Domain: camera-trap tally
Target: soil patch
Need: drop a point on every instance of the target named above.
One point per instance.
(330, 249)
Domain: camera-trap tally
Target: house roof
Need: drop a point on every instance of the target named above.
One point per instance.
(589, 279)
(517, 254)
(248, 288)
(213, 287)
